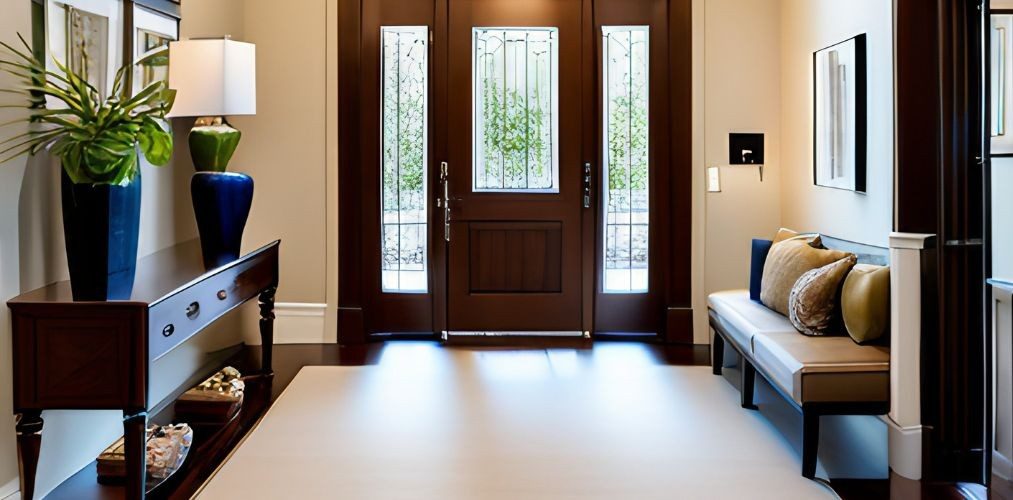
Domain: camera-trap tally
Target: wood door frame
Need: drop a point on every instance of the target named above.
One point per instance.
(354, 303)
(941, 186)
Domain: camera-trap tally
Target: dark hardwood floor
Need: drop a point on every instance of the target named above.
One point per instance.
(214, 445)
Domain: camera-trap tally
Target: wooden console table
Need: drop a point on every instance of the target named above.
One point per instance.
(97, 355)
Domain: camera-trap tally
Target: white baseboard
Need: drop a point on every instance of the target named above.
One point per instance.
(301, 323)
(11, 490)
(294, 323)
(905, 449)
(1002, 466)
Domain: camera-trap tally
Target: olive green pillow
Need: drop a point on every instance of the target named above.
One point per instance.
(814, 305)
(865, 303)
(786, 263)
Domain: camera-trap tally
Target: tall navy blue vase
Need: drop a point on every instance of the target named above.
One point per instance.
(100, 226)
(221, 204)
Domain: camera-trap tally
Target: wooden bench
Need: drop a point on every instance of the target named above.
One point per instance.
(817, 375)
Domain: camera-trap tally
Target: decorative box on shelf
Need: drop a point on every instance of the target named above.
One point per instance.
(166, 449)
(216, 400)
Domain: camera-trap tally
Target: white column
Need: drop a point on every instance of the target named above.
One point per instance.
(1002, 379)
(905, 418)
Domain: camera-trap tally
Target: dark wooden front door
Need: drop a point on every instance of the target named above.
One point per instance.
(515, 248)
(521, 115)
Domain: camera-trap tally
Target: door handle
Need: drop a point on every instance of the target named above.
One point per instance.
(445, 180)
(587, 185)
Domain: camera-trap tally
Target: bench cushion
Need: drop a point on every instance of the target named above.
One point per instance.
(743, 318)
(823, 369)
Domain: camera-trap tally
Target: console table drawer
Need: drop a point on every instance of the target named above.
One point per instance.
(181, 315)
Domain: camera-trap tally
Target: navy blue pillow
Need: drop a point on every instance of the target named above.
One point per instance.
(759, 256)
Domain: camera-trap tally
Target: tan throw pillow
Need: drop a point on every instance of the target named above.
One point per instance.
(787, 234)
(786, 262)
(865, 303)
(813, 305)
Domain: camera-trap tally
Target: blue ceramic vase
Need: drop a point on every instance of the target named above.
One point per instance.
(221, 204)
(100, 229)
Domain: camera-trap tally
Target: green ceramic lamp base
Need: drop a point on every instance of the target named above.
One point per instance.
(212, 142)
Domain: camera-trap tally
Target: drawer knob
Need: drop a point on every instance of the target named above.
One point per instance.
(193, 310)
(222, 295)
(168, 330)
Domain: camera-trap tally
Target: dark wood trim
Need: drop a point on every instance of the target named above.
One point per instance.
(680, 265)
(351, 324)
(939, 186)
(916, 83)
(590, 217)
(438, 250)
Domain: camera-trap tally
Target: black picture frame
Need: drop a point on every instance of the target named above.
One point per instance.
(859, 85)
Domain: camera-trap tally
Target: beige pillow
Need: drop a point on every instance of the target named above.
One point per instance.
(813, 301)
(784, 234)
(786, 262)
(865, 303)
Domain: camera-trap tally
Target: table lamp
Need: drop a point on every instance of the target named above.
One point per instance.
(215, 78)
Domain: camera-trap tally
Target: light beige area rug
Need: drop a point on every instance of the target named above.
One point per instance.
(449, 424)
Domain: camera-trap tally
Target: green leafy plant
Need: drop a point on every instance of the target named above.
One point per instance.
(96, 139)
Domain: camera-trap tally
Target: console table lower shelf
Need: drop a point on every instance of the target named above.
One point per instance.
(97, 355)
(212, 444)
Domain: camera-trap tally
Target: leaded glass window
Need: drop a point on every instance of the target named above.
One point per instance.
(626, 173)
(516, 110)
(404, 151)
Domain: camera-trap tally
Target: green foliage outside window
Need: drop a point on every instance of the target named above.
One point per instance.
(516, 109)
(404, 122)
(628, 124)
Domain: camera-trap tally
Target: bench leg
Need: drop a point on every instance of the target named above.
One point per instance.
(748, 384)
(810, 442)
(717, 353)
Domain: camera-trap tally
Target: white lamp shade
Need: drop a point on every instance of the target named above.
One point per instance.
(213, 78)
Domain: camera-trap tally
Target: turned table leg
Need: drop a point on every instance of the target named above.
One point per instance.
(267, 329)
(28, 425)
(135, 425)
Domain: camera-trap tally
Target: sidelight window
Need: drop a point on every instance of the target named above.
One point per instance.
(404, 151)
(515, 110)
(626, 174)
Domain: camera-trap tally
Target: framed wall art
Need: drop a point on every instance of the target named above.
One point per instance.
(840, 109)
(152, 32)
(87, 36)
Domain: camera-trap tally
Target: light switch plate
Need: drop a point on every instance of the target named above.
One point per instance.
(714, 179)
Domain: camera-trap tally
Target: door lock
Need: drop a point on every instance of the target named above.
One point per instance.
(445, 180)
(587, 185)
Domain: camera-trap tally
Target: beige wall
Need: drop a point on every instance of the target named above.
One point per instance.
(16, 17)
(807, 26)
(741, 94)
(284, 145)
